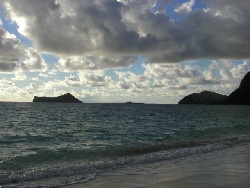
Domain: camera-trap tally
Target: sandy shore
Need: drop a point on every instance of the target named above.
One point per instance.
(229, 168)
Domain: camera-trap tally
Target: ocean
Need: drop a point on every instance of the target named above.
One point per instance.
(56, 144)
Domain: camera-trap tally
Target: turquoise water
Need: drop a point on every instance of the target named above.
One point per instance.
(50, 144)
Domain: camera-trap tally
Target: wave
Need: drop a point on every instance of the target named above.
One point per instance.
(70, 173)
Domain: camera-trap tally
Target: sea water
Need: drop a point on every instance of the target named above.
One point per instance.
(56, 144)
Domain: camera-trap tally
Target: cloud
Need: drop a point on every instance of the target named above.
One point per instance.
(72, 81)
(10, 50)
(33, 85)
(134, 81)
(90, 97)
(7, 66)
(76, 28)
(80, 31)
(95, 79)
(170, 71)
(95, 62)
(19, 76)
(34, 79)
(240, 70)
(9, 44)
(53, 85)
(11, 92)
(6, 83)
(44, 75)
(33, 61)
(185, 7)
(199, 81)
(123, 85)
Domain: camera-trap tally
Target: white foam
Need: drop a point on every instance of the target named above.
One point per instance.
(77, 173)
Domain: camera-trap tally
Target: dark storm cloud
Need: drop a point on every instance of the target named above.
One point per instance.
(12, 51)
(76, 28)
(204, 35)
(9, 51)
(7, 67)
(8, 44)
(110, 27)
(93, 63)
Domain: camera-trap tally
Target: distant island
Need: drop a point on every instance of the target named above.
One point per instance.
(133, 102)
(205, 97)
(240, 96)
(66, 98)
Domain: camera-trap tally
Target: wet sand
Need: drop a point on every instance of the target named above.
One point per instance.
(229, 168)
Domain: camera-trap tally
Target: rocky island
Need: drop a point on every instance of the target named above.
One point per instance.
(241, 96)
(66, 98)
(205, 97)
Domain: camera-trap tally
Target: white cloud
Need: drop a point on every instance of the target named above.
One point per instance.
(19, 76)
(34, 79)
(240, 70)
(53, 85)
(33, 85)
(225, 75)
(185, 7)
(6, 83)
(45, 75)
(11, 92)
(158, 82)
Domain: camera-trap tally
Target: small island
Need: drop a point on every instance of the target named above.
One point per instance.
(205, 97)
(130, 102)
(66, 98)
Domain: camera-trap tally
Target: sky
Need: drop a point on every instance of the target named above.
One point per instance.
(111, 51)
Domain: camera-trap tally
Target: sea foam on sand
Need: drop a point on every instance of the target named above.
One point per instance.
(228, 168)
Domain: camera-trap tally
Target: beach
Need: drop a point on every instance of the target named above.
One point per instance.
(227, 168)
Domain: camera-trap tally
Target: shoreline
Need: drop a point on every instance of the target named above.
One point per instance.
(227, 168)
